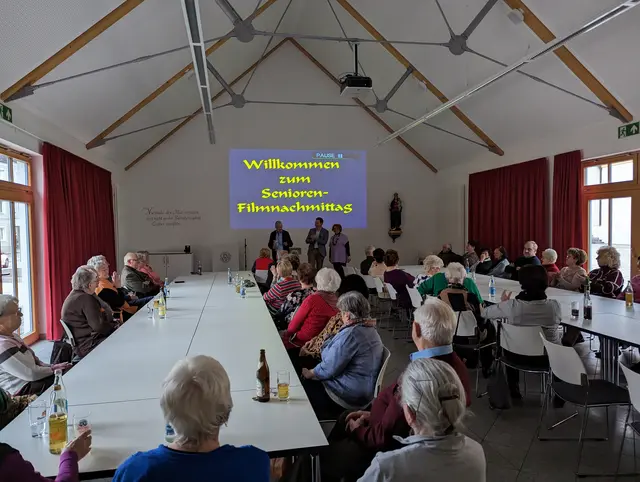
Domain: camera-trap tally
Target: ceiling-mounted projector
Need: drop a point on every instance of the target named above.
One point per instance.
(355, 85)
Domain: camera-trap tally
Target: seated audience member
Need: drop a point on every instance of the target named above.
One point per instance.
(109, 291)
(21, 371)
(484, 264)
(145, 267)
(607, 280)
(635, 285)
(470, 257)
(314, 312)
(448, 256)
(438, 282)
(135, 280)
(365, 265)
(529, 308)
(351, 360)
(89, 318)
(263, 261)
(432, 265)
(14, 468)
(285, 284)
(359, 435)
(294, 259)
(12, 406)
(433, 402)
(573, 276)
(378, 268)
(271, 275)
(528, 257)
(549, 258)
(398, 278)
(500, 263)
(313, 348)
(196, 402)
(306, 276)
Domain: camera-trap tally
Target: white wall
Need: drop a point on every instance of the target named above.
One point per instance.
(594, 140)
(188, 173)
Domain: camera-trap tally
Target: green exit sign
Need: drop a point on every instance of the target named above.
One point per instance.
(6, 113)
(629, 130)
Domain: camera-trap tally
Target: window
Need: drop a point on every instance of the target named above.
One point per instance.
(16, 255)
(619, 169)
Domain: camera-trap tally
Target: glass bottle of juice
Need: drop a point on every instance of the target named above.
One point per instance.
(57, 416)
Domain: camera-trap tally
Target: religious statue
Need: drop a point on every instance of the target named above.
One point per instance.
(395, 209)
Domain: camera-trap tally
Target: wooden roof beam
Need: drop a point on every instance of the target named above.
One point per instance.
(564, 54)
(492, 146)
(71, 48)
(375, 116)
(97, 141)
(213, 99)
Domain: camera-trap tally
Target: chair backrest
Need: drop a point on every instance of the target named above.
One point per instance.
(391, 290)
(67, 332)
(467, 324)
(261, 275)
(349, 270)
(379, 285)
(522, 340)
(386, 357)
(633, 385)
(370, 281)
(565, 363)
(414, 294)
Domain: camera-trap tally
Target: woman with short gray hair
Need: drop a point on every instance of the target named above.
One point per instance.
(196, 402)
(314, 312)
(434, 402)
(88, 317)
(432, 265)
(346, 376)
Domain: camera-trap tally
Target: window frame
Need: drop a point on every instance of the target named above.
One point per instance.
(13, 192)
(611, 186)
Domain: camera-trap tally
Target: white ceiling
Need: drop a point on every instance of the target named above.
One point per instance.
(513, 108)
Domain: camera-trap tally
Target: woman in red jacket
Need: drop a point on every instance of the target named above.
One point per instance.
(315, 311)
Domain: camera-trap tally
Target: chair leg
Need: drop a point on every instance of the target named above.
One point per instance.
(624, 432)
(524, 378)
(543, 410)
(583, 428)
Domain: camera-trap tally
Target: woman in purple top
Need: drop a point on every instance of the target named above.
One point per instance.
(14, 467)
(398, 278)
(340, 253)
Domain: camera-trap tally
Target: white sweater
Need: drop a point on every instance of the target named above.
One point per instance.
(19, 365)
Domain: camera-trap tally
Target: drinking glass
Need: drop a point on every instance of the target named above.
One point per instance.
(284, 380)
(81, 423)
(575, 310)
(38, 417)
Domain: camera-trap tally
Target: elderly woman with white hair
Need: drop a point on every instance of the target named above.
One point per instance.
(196, 402)
(440, 281)
(21, 371)
(432, 264)
(110, 291)
(433, 402)
(346, 376)
(89, 318)
(315, 311)
(607, 280)
(549, 258)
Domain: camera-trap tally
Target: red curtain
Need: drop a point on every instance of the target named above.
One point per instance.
(567, 203)
(508, 206)
(78, 216)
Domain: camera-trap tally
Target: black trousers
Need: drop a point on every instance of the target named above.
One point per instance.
(339, 267)
(323, 406)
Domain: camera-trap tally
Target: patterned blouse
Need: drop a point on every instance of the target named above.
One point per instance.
(293, 302)
(314, 346)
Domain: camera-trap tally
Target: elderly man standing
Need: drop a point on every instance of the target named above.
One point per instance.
(528, 257)
(359, 435)
(279, 240)
(135, 280)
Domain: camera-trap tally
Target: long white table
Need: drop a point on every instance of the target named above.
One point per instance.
(612, 320)
(120, 381)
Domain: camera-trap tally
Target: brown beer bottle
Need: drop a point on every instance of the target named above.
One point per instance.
(263, 386)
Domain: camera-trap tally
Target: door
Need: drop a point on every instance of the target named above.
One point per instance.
(609, 223)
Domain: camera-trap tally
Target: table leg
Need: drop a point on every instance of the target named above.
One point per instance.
(609, 357)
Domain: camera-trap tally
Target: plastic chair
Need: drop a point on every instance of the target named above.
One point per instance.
(573, 385)
(261, 275)
(416, 299)
(383, 369)
(72, 341)
(349, 270)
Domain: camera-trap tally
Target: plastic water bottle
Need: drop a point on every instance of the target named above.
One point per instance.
(229, 277)
(169, 433)
(167, 291)
(200, 267)
(492, 287)
(243, 289)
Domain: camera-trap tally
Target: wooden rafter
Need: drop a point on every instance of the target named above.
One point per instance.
(72, 47)
(213, 99)
(564, 54)
(140, 105)
(493, 147)
(375, 116)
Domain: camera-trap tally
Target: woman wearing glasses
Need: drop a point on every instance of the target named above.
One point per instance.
(21, 371)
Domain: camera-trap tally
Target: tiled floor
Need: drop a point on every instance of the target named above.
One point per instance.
(511, 447)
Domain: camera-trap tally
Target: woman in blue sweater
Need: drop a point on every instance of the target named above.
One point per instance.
(346, 376)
